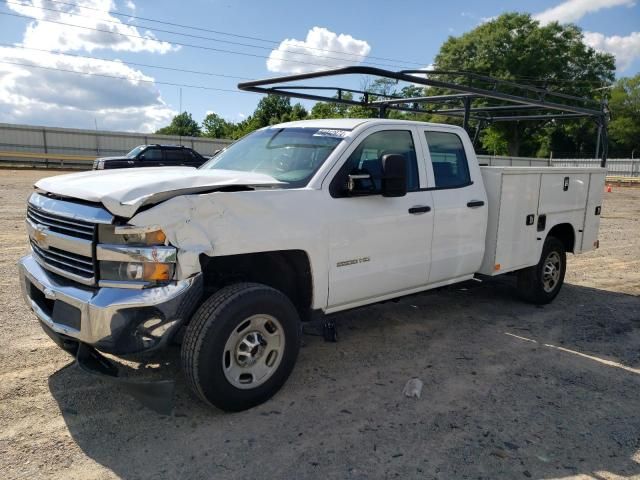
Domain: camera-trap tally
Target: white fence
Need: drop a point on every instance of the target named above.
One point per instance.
(29, 146)
(25, 145)
(618, 167)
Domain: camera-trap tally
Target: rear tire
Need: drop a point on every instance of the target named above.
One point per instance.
(541, 283)
(241, 346)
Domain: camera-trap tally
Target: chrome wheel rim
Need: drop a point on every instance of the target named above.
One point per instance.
(551, 272)
(253, 351)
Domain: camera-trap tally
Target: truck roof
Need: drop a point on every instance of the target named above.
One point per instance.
(351, 123)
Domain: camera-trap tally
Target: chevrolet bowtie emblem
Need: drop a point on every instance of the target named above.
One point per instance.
(40, 235)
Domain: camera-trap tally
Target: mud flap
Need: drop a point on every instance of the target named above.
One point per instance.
(154, 394)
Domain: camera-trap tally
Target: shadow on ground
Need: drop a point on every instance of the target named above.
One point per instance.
(500, 400)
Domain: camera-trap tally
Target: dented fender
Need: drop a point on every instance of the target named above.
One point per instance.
(232, 223)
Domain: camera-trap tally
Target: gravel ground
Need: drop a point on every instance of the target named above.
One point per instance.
(510, 390)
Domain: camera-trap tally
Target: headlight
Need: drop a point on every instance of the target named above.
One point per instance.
(147, 272)
(130, 236)
(139, 256)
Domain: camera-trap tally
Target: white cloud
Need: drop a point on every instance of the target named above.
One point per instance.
(53, 97)
(328, 50)
(37, 87)
(130, 5)
(53, 36)
(625, 49)
(427, 68)
(574, 10)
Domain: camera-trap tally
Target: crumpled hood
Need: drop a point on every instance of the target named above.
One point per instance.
(124, 191)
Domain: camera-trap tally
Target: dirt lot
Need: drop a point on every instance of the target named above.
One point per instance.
(510, 390)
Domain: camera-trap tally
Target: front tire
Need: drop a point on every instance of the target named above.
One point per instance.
(241, 346)
(541, 283)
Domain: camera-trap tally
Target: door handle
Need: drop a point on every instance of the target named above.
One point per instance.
(418, 209)
(475, 203)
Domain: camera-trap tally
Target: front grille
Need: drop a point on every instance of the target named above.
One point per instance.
(78, 265)
(62, 242)
(60, 224)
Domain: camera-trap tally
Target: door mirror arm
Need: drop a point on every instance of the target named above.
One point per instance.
(351, 181)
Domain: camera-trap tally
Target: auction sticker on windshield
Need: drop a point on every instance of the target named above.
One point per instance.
(329, 132)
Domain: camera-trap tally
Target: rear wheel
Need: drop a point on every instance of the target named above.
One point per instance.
(241, 346)
(541, 283)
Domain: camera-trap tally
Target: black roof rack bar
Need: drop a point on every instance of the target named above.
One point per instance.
(431, 99)
(530, 101)
(259, 86)
(337, 89)
(500, 81)
(494, 108)
(548, 116)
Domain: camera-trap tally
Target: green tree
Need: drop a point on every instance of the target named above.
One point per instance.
(271, 109)
(182, 124)
(516, 47)
(624, 128)
(215, 126)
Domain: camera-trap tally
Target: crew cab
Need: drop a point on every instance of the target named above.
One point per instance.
(152, 156)
(294, 221)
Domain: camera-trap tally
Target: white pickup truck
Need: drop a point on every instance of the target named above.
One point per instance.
(294, 220)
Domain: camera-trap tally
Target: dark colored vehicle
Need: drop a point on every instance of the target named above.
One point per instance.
(153, 156)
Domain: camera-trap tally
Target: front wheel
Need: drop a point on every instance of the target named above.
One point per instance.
(241, 346)
(541, 283)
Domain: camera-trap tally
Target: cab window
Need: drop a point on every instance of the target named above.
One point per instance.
(174, 155)
(152, 154)
(449, 160)
(367, 159)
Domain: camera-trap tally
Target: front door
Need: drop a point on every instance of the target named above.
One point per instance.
(378, 246)
(460, 206)
(151, 157)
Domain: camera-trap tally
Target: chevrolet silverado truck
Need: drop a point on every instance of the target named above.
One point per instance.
(295, 220)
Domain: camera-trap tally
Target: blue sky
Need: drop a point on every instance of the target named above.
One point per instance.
(407, 31)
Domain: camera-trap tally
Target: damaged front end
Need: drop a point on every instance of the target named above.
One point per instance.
(95, 286)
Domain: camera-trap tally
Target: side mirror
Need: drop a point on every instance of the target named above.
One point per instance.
(394, 175)
(141, 156)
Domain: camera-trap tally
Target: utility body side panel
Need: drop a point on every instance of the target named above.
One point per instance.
(525, 203)
(593, 211)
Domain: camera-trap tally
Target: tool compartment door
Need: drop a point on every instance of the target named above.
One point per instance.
(516, 242)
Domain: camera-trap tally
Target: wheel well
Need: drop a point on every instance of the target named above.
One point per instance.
(286, 270)
(564, 232)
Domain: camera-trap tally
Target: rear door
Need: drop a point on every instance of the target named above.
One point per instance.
(174, 157)
(378, 246)
(459, 202)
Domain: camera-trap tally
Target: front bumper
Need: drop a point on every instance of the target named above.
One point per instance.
(114, 320)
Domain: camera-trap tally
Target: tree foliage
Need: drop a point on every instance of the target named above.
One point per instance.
(182, 124)
(624, 129)
(516, 47)
(214, 126)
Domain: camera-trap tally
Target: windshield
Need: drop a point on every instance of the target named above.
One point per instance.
(134, 153)
(290, 155)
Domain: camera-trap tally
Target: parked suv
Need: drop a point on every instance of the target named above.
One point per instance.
(153, 156)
